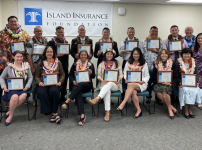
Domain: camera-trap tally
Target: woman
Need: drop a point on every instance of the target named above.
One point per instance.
(109, 62)
(17, 68)
(188, 96)
(197, 55)
(83, 63)
(136, 62)
(49, 95)
(163, 90)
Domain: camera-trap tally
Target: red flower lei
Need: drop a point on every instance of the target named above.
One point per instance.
(170, 38)
(79, 40)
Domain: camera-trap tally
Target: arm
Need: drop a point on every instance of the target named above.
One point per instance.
(71, 74)
(30, 78)
(99, 70)
(73, 48)
(116, 49)
(93, 71)
(154, 74)
(121, 48)
(97, 47)
(61, 73)
(3, 77)
(91, 42)
(125, 70)
(120, 72)
(145, 74)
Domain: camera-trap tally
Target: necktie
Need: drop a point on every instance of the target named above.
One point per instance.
(176, 53)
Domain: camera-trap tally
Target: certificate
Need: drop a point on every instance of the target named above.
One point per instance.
(165, 76)
(82, 76)
(50, 79)
(175, 46)
(134, 76)
(86, 47)
(111, 75)
(130, 45)
(17, 46)
(37, 49)
(153, 43)
(106, 45)
(63, 49)
(17, 83)
(189, 80)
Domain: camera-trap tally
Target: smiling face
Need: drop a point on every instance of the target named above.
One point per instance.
(131, 33)
(82, 31)
(105, 34)
(199, 39)
(60, 34)
(188, 31)
(13, 24)
(109, 56)
(174, 31)
(38, 32)
(49, 53)
(164, 56)
(186, 56)
(18, 58)
(136, 55)
(153, 33)
(83, 56)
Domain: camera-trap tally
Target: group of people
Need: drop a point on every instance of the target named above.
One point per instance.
(31, 67)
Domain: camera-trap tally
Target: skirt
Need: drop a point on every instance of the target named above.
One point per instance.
(190, 96)
(159, 88)
(7, 95)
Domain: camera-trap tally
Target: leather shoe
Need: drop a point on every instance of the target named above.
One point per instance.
(191, 115)
(186, 116)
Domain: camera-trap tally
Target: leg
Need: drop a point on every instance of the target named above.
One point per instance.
(54, 92)
(190, 111)
(136, 102)
(167, 101)
(186, 112)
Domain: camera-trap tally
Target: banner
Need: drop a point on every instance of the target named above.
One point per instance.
(70, 15)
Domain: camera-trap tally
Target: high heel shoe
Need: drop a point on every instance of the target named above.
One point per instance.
(135, 117)
(191, 115)
(176, 112)
(172, 117)
(186, 116)
(94, 101)
(121, 110)
(7, 124)
(6, 116)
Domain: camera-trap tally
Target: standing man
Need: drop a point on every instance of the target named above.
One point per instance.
(59, 38)
(189, 37)
(35, 59)
(80, 39)
(175, 36)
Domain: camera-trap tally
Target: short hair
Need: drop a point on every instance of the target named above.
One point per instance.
(81, 26)
(37, 27)
(153, 27)
(173, 26)
(189, 27)
(131, 28)
(59, 27)
(105, 28)
(12, 17)
(187, 50)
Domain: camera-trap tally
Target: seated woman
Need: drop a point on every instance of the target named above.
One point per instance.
(109, 62)
(17, 68)
(83, 63)
(49, 95)
(136, 62)
(188, 96)
(163, 90)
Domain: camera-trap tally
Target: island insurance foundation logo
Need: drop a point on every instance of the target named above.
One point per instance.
(33, 16)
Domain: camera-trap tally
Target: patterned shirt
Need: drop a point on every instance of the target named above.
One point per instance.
(190, 42)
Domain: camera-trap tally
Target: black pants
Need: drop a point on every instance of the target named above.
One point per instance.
(123, 64)
(76, 93)
(49, 98)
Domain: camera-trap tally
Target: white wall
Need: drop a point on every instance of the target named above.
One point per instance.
(1, 24)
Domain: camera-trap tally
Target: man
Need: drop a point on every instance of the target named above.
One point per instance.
(190, 38)
(80, 39)
(35, 59)
(13, 33)
(123, 53)
(63, 58)
(105, 38)
(151, 55)
(173, 37)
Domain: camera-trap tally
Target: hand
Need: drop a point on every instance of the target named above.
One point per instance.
(6, 90)
(99, 52)
(75, 83)
(60, 55)
(25, 89)
(90, 56)
(33, 70)
(76, 56)
(41, 84)
(154, 50)
(141, 82)
(197, 84)
(171, 52)
(117, 82)
(166, 83)
(123, 51)
(103, 81)
(126, 81)
(58, 84)
(90, 71)
(180, 51)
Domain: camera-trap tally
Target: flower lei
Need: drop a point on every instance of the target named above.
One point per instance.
(19, 72)
(2, 48)
(132, 67)
(134, 38)
(149, 37)
(109, 50)
(35, 40)
(14, 35)
(167, 66)
(109, 40)
(170, 38)
(79, 40)
(192, 39)
(52, 67)
(56, 40)
(187, 70)
(80, 66)
(106, 66)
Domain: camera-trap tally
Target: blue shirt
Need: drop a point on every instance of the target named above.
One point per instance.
(190, 42)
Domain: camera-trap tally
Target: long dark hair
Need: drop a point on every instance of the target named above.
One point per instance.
(197, 46)
(44, 54)
(15, 53)
(113, 59)
(141, 58)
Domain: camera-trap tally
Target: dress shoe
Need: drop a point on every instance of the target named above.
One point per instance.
(191, 115)
(135, 117)
(85, 100)
(186, 116)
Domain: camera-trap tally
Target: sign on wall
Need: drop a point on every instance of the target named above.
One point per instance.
(70, 15)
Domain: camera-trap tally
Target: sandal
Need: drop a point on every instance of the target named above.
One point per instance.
(64, 105)
(82, 120)
(94, 101)
(106, 118)
(56, 119)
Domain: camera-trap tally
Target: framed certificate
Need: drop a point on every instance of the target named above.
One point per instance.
(106, 45)
(63, 49)
(130, 45)
(82, 76)
(175, 45)
(17, 83)
(134, 76)
(165, 76)
(153, 43)
(86, 47)
(37, 49)
(50, 79)
(111, 75)
(189, 80)
(18, 46)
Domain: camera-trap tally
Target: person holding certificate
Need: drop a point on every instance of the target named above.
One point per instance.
(136, 62)
(109, 62)
(17, 68)
(49, 95)
(82, 64)
(188, 96)
(35, 59)
(164, 90)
